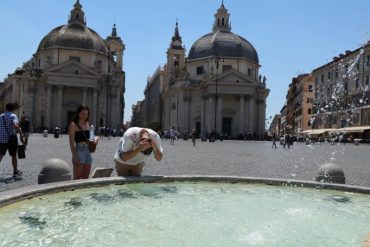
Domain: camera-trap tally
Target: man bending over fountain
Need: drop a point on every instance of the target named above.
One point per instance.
(134, 148)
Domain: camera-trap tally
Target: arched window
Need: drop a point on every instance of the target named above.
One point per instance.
(77, 16)
(218, 22)
(223, 22)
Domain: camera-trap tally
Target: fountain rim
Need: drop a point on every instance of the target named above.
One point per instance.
(12, 196)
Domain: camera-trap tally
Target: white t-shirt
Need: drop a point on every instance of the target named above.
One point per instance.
(130, 140)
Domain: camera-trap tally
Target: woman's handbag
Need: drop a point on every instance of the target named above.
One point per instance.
(92, 146)
(21, 152)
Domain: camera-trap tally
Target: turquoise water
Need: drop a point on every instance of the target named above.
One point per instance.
(188, 214)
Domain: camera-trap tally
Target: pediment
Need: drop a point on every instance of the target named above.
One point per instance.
(232, 76)
(72, 67)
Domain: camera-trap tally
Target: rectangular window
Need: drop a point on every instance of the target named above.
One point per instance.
(249, 71)
(367, 80)
(322, 77)
(346, 86)
(357, 84)
(367, 60)
(336, 73)
(329, 75)
(200, 70)
(72, 58)
(316, 80)
(309, 111)
(228, 67)
(310, 88)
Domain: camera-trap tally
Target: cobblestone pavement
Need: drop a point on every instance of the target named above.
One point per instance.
(229, 158)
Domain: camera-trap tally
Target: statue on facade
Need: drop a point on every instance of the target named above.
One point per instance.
(264, 80)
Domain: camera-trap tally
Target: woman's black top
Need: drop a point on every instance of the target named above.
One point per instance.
(79, 136)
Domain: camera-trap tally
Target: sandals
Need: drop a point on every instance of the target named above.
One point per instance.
(17, 173)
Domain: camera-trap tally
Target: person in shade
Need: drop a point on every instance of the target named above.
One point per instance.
(134, 148)
(25, 125)
(8, 138)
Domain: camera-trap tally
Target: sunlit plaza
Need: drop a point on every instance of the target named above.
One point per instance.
(226, 158)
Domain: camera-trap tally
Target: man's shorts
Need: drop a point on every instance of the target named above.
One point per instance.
(129, 170)
(11, 148)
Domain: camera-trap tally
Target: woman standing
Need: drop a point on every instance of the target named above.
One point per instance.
(78, 142)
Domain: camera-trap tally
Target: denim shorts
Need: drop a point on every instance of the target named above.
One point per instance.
(83, 153)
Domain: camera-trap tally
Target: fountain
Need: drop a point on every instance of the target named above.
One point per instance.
(185, 211)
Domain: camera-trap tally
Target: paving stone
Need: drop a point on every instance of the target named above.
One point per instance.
(228, 158)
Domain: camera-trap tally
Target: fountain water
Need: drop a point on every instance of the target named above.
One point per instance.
(190, 213)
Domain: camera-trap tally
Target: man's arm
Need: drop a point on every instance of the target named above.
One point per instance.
(157, 153)
(18, 130)
(157, 148)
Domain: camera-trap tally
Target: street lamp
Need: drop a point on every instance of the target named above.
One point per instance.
(216, 96)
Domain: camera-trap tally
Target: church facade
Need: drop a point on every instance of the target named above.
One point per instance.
(217, 87)
(72, 65)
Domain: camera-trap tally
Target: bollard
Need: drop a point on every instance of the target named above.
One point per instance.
(45, 133)
(330, 173)
(54, 170)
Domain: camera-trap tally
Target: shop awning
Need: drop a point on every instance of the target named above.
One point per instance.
(355, 129)
(317, 131)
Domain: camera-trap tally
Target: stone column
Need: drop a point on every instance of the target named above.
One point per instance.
(251, 114)
(60, 106)
(210, 113)
(219, 113)
(94, 107)
(241, 113)
(49, 103)
(202, 114)
(187, 100)
(84, 91)
(113, 105)
(262, 115)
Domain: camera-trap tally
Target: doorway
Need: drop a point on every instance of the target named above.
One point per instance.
(197, 128)
(226, 126)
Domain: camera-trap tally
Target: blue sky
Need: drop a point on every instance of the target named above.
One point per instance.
(290, 36)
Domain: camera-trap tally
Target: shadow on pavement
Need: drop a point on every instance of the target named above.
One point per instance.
(8, 180)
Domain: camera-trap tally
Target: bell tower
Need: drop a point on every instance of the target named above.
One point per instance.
(116, 47)
(176, 57)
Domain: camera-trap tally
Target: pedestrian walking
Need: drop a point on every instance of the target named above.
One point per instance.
(193, 136)
(172, 135)
(274, 140)
(9, 126)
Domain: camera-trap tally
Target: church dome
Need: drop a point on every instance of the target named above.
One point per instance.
(74, 37)
(223, 44)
